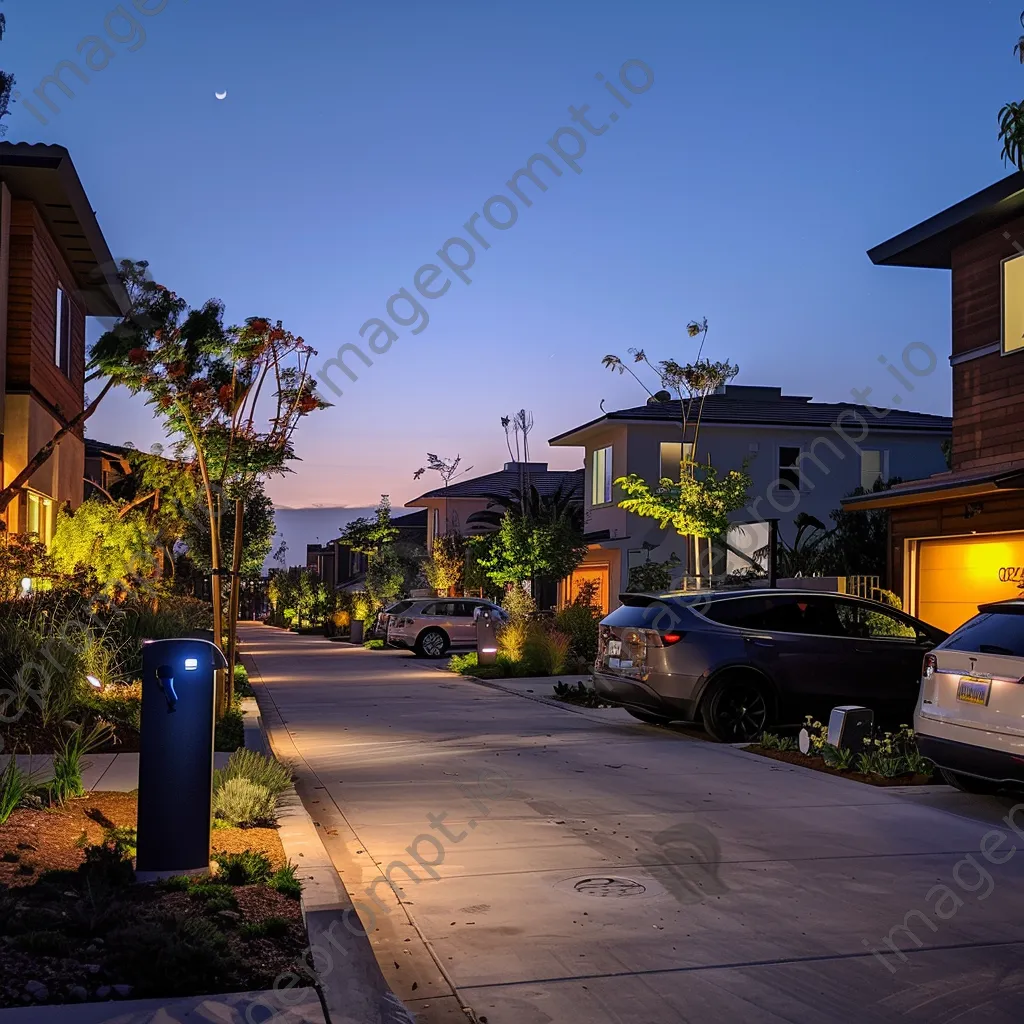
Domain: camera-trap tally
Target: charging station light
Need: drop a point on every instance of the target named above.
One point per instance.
(191, 664)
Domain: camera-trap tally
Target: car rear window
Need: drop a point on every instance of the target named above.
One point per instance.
(397, 609)
(990, 633)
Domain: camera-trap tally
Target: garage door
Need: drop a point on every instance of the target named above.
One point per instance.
(956, 574)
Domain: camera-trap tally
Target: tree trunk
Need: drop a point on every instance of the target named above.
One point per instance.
(236, 567)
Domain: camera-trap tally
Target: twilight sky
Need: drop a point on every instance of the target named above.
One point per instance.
(777, 143)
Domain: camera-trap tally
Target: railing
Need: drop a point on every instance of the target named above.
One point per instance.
(864, 586)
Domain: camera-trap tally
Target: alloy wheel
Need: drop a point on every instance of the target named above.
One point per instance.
(740, 713)
(433, 644)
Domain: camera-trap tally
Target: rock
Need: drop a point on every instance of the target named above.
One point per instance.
(103, 992)
(37, 991)
(78, 993)
(229, 915)
(123, 991)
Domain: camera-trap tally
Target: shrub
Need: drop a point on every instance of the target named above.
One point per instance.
(268, 928)
(123, 841)
(246, 868)
(250, 765)
(818, 734)
(374, 645)
(463, 663)
(840, 758)
(15, 785)
(106, 865)
(119, 704)
(580, 622)
(242, 685)
(229, 732)
(215, 896)
(512, 639)
(241, 802)
(519, 604)
(68, 764)
(546, 651)
(285, 880)
(769, 741)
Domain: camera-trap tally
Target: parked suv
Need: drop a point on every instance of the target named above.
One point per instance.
(742, 661)
(970, 716)
(433, 625)
(380, 627)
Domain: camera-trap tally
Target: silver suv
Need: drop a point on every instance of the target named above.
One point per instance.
(431, 626)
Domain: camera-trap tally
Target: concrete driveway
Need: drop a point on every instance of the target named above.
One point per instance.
(561, 865)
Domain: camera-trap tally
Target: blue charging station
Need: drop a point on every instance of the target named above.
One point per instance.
(176, 757)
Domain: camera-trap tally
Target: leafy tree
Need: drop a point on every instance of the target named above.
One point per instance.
(233, 397)
(859, 542)
(698, 503)
(117, 547)
(445, 568)
(652, 577)
(257, 528)
(1011, 120)
(22, 556)
(385, 569)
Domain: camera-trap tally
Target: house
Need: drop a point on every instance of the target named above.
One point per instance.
(802, 456)
(957, 538)
(55, 270)
(449, 508)
(340, 567)
(106, 465)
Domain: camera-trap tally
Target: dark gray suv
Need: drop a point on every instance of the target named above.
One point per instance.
(743, 661)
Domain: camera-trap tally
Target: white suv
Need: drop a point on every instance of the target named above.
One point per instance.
(970, 713)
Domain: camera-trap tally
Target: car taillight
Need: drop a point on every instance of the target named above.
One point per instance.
(668, 639)
(931, 663)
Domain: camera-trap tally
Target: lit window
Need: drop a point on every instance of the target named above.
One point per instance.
(601, 477)
(789, 467)
(62, 333)
(671, 458)
(39, 516)
(874, 466)
(1013, 305)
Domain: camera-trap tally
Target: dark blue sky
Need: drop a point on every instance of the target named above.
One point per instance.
(777, 143)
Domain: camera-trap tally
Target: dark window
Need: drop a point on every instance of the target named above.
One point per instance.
(446, 609)
(397, 609)
(990, 633)
(62, 333)
(465, 609)
(789, 467)
(745, 612)
(866, 623)
(790, 614)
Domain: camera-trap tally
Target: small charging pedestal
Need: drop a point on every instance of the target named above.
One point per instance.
(176, 757)
(486, 638)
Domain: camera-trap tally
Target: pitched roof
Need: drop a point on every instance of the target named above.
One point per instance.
(46, 176)
(507, 480)
(768, 407)
(931, 243)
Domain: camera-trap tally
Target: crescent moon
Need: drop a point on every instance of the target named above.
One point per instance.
(221, 95)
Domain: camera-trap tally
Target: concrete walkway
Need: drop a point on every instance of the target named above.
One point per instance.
(557, 865)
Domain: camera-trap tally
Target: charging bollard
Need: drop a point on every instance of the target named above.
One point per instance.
(486, 638)
(176, 757)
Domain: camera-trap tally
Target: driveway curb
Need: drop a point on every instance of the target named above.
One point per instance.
(353, 989)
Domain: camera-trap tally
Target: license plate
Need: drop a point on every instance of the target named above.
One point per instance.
(614, 648)
(973, 690)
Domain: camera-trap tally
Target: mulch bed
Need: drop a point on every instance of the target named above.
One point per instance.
(807, 761)
(30, 736)
(76, 935)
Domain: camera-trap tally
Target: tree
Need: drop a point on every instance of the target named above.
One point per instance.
(115, 546)
(447, 469)
(232, 397)
(445, 568)
(385, 573)
(652, 577)
(257, 528)
(859, 543)
(698, 503)
(1011, 120)
(145, 309)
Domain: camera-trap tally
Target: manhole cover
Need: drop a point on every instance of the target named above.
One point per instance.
(609, 887)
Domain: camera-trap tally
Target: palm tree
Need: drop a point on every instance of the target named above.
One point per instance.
(560, 504)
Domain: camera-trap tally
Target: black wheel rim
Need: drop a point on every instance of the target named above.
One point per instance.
(741, 712)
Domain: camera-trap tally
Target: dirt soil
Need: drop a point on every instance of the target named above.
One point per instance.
(74, 936)
(806, 761)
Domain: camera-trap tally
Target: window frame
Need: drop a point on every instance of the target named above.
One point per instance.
(1018, 347)
(62, 331)
(601, 463)
(780, 482)
(883, 466)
